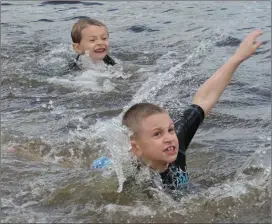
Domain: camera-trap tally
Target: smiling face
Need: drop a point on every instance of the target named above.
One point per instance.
(95, 40)
(157, 142)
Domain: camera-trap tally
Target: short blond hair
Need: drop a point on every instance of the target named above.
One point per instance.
(136, 113)
(80, 25)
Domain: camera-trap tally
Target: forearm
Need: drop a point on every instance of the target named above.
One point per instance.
(209, 92)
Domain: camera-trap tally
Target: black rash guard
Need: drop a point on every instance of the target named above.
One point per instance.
(176, 175)
(107, 60)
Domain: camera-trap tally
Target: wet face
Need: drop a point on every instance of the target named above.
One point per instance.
(156, 142)
(95, 40)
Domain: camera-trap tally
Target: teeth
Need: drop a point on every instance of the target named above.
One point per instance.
(170, 149)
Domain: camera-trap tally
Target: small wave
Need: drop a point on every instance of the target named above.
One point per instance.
(44, 20)
(168, 10)
(59, 2)
(75, 17)
(77, 152)
(228, 42)
(6, 4)
(264, 93)
(247, 28)
(139, 29)
(92, 3)
(61, 10)
(79, 84)
(206, 29)
(104, 114)
(110, 10)
(196, 28)
(261, 52)
(265, 42)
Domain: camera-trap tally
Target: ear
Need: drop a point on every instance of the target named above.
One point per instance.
(135, 149)
(76, 48)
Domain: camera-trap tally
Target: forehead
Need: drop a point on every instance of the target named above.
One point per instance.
(94, 30)
(161, 120)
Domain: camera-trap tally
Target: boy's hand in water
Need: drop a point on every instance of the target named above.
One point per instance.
(248, 47)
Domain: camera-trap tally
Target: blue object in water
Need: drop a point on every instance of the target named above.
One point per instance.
(101, 162)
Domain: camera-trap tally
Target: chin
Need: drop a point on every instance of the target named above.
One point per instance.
(101, 57)
(171, 160)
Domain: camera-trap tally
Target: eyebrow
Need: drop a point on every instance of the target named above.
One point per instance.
(155, 129)
(159, 128)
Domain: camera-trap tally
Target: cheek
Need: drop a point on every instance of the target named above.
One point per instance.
(147, 146)
(91, 45)
(107, 43)
(87, 46)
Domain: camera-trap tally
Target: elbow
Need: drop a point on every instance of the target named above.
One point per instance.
(206, 103)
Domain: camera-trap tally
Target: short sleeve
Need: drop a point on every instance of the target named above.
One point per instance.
(188, 124)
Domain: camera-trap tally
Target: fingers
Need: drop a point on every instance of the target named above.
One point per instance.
(257, 44)
(253, 35)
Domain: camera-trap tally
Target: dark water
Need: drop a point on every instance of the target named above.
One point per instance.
(54, 122)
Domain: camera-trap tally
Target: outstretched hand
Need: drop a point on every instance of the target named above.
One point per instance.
(248, 46)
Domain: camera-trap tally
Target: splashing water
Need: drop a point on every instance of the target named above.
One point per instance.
(115, 137)
(94, 77)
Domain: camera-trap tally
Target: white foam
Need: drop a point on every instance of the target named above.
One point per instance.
(115, 137)
(95, 77)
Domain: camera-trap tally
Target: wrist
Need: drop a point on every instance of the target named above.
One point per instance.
(235, 59)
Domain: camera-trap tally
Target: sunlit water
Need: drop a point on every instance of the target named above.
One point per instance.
(55, 122)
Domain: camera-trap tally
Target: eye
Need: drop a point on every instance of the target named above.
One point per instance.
(104, 38)
(92, 40)
(171, 130)
(157, 134)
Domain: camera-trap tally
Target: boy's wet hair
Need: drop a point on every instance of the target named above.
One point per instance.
(80, 25)
(136, 113)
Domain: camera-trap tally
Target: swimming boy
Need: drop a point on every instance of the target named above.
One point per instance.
(160, 143)
(91, 37)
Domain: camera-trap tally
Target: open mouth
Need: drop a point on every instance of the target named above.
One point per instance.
(100, 50)
(171, 150)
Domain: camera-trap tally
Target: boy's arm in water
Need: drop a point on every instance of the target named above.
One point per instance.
(209, 92)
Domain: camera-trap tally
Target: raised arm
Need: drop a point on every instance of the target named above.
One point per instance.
(211, 90)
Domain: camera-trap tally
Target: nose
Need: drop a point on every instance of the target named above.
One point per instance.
(100, 41)
(168, 137)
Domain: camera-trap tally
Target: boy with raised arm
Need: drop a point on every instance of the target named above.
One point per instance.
(161, 144)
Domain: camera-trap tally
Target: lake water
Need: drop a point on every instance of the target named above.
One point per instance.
(55, 122)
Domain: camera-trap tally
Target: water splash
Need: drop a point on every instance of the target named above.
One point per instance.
(115, 137)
